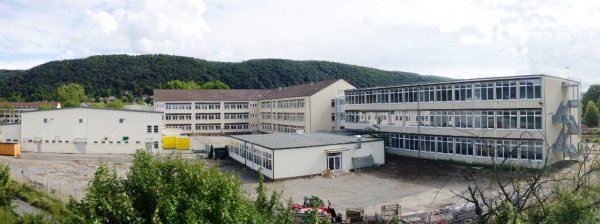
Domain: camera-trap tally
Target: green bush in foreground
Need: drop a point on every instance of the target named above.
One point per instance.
(172, 190)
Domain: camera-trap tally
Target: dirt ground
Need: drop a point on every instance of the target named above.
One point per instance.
(417, 185)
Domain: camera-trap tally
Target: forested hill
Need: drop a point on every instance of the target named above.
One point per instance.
(113, 74)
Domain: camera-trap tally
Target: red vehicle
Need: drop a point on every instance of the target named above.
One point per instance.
(316, 204)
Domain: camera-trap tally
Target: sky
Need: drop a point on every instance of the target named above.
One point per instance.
(457, 39)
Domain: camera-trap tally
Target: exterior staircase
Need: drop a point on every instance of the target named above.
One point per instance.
(563, 116)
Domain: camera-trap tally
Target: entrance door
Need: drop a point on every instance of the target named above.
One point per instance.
(38, 144)
(80, 147)
(334, 161)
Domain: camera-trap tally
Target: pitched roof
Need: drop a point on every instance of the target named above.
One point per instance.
(240, 94)
(22, 105)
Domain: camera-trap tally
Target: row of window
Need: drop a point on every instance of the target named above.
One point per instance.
(498, 90)
(252, 154)
(185, 127)
(208, 127)
(530, 119)
(240, 126)
(283, 116)
(293, 103)
(281, 128)
(208, 116)
(238, 116)
(177, 117)
(206, 106)
(241, 105)
(481, 147)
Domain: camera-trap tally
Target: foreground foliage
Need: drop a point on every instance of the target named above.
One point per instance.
(173, 190)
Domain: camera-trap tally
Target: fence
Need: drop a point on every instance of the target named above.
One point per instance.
(39, 179)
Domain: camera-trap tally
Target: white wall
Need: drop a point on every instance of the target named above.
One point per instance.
(310, 161)
(10, 133)
(63, 128)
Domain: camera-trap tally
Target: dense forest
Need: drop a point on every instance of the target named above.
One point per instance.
(113, 74)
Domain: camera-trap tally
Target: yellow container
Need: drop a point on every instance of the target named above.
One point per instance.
(183, 143)
(10, 149)
(169, 142)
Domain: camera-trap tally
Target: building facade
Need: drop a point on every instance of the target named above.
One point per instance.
(308, 107)
(86, 130)
(10, 112)
(521, 119)
(284, 155)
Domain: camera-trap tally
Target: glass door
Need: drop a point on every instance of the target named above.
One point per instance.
(334, 161)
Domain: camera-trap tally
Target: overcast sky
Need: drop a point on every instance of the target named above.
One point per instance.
(458, 39)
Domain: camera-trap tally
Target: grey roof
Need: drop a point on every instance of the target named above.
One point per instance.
(162, 95)
(290, 141)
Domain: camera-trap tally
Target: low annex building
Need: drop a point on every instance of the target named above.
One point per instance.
(86, 130)
(283, 155)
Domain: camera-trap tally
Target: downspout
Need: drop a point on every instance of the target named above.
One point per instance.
(418, 117)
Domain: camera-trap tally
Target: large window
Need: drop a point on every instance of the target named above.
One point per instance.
(443, 93)
(463, 92)
(506, 119)
(445, 144)
(427, 94)
(530, 89)
(530, 119)
(484, 119)
(484, 91)
(396, 95)
(506, 90)
(444, 119)
(241, 105)
(463, 119)
(410, 94)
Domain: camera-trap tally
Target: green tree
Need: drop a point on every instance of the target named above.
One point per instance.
(115, 104)
(45, 107)
(178, 84)
(591, 117)
(215, 85)
(71, 94)
(169, 189)
(592, 94)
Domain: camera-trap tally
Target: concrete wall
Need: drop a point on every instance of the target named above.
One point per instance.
(287, 163)
(313, 160)
(321, 109)
(10, 133)
(94, 131)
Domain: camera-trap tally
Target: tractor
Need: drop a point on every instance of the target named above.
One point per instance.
(314, 203)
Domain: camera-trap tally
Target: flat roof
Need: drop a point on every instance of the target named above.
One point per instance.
(279, 141)
(456, 81)
(91, 108)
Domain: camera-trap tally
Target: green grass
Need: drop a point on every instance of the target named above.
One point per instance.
(53, 206)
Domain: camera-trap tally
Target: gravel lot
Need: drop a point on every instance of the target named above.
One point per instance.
(415, 184)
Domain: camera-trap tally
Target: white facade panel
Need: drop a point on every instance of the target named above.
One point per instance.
(87, 130)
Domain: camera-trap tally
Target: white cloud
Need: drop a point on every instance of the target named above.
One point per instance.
(460, 39)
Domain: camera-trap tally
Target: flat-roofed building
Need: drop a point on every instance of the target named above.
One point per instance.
(285, 155)
(524, 119)
(10, 112)
(86, 130)
(307, 107)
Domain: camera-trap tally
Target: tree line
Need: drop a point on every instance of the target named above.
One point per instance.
(590, 102)
(117, 75)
